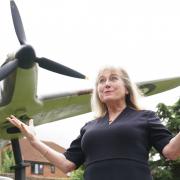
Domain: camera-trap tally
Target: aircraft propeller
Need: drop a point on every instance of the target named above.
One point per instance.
(18, 25)
(25, 57)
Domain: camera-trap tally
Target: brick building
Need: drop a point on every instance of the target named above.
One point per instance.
(39, 167)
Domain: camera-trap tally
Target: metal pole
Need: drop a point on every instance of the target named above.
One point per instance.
(19, 163)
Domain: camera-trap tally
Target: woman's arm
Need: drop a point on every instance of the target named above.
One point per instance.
(172, 150)
(58, 159)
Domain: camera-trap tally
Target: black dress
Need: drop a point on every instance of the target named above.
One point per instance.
(119, 151)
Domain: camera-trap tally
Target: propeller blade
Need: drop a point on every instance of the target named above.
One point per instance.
(58, 68)
(17, 23)
(8, 68)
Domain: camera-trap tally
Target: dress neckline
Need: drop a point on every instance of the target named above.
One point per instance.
(118, 116)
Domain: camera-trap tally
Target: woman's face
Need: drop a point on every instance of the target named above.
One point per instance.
(110, 86)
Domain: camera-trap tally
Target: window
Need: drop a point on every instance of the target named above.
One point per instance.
(37, 168)
(52, 169)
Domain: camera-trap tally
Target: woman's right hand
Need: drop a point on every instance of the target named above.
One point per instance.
(26, 130)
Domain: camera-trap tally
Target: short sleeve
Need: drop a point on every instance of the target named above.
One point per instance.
(158, 133)
(74, 152)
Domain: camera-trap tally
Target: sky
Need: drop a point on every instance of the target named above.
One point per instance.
(141, 36)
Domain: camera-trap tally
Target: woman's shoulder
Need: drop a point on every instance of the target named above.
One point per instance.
(142, 110)
(147, 112)
(88, 125)
(94, 121)
(91, 122)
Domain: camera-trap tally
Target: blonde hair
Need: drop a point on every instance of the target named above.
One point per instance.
(99, 108)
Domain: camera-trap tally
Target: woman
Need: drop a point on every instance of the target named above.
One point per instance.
(117, 143)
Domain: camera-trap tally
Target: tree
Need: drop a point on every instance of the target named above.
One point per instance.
(7, 161)
(77, 174)
(162, 169)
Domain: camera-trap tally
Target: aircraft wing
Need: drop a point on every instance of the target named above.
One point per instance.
(57, 107)
(66, 105)
(44, 110)
(149, 88)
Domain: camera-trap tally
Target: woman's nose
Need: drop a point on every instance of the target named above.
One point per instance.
(107, 83)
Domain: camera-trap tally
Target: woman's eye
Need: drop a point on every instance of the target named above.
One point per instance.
(114, 78)
(101, 80)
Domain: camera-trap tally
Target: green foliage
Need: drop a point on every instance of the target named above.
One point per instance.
(170, 115)
(7, 161)
(162, 169)
(77, 174)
